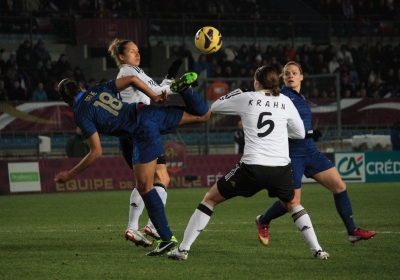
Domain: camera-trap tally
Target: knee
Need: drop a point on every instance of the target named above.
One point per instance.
(338, 187)
(163, 178)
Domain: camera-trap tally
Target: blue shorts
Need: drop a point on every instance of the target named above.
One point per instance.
(154, 121)
(309, 166)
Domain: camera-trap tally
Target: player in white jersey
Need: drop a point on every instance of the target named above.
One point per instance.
(127, 57)
(269, 118)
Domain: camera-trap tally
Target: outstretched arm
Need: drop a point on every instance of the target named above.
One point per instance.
(124, 82)
(94, 153)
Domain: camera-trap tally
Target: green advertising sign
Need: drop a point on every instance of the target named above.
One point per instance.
(24, 177)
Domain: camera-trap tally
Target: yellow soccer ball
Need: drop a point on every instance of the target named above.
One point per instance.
(208, 40)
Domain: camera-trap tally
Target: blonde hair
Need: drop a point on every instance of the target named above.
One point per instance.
(116, 48)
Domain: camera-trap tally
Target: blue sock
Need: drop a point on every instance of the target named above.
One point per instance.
(275, 211)
(156, 212)
(195, 105)
(343, 206)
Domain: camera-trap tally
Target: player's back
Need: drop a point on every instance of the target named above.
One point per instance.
(266, 119)
(99, 110)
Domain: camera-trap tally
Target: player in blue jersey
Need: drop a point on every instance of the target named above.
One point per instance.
(98, 110)
(127, 57)
(307, 160)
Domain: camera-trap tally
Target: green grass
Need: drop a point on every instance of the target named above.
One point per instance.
(80, 236)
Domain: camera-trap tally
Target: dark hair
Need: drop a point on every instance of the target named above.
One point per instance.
(68, 89)
(268, 77)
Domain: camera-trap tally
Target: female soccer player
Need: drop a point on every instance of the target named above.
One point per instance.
(307, 160)
(269, 118)
(98, 110)
(127, 57)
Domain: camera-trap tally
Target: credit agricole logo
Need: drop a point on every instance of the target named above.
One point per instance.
(351, 166)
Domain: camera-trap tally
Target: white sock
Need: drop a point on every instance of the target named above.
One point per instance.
(135, 210)
(196, 225)
(303, 223)
(163, 195)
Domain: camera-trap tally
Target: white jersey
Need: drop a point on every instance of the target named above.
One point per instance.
(267, 120)
(132, 94)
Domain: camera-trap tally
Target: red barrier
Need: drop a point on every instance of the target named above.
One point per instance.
(114, 174)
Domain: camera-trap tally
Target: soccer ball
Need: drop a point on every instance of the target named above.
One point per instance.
(208, 40)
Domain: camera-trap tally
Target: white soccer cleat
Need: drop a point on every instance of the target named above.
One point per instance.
(151, 231)
(321, 255)
(177, 254)
(137, 237)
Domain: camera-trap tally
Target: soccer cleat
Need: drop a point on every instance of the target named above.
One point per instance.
(137, 237)
(360, 234)
(163, 247)
(187, 80)
(174, 68)
(321, 255)
(262, 229)
(177, 254)
(151, 231)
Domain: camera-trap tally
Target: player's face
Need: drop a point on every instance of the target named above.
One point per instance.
(292, 77)
(131, 55)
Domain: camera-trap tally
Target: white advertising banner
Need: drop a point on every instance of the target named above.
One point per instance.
(24, 177)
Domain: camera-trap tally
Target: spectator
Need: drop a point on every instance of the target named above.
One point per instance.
(239, 138)
(12, 61)
(346, 89)
(61, 67)
(333, 65)
(230, 52)
(39, 94)
(290, 51)
(203, 65)
(375, 90)
(27, 64)
(344, 55)
(305, 62)
(91, 82)
(41, 52)
(25, 48)
(78, 75)
(186, 52)
(395, 136)
(319, 64)
(16, 93)
(76, 146)
(276, 64)
(3, 92)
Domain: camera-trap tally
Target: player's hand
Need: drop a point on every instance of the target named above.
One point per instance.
(162, 98)
(174, 68)
(314, 134)
(63, 176)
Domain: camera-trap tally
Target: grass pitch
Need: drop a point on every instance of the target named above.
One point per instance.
(80, 236)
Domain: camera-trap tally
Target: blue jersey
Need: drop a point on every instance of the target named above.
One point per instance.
(300, 147)
(99, 110)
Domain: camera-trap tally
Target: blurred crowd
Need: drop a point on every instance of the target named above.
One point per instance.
(363, 71)
(30, 74)
(373, 71)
